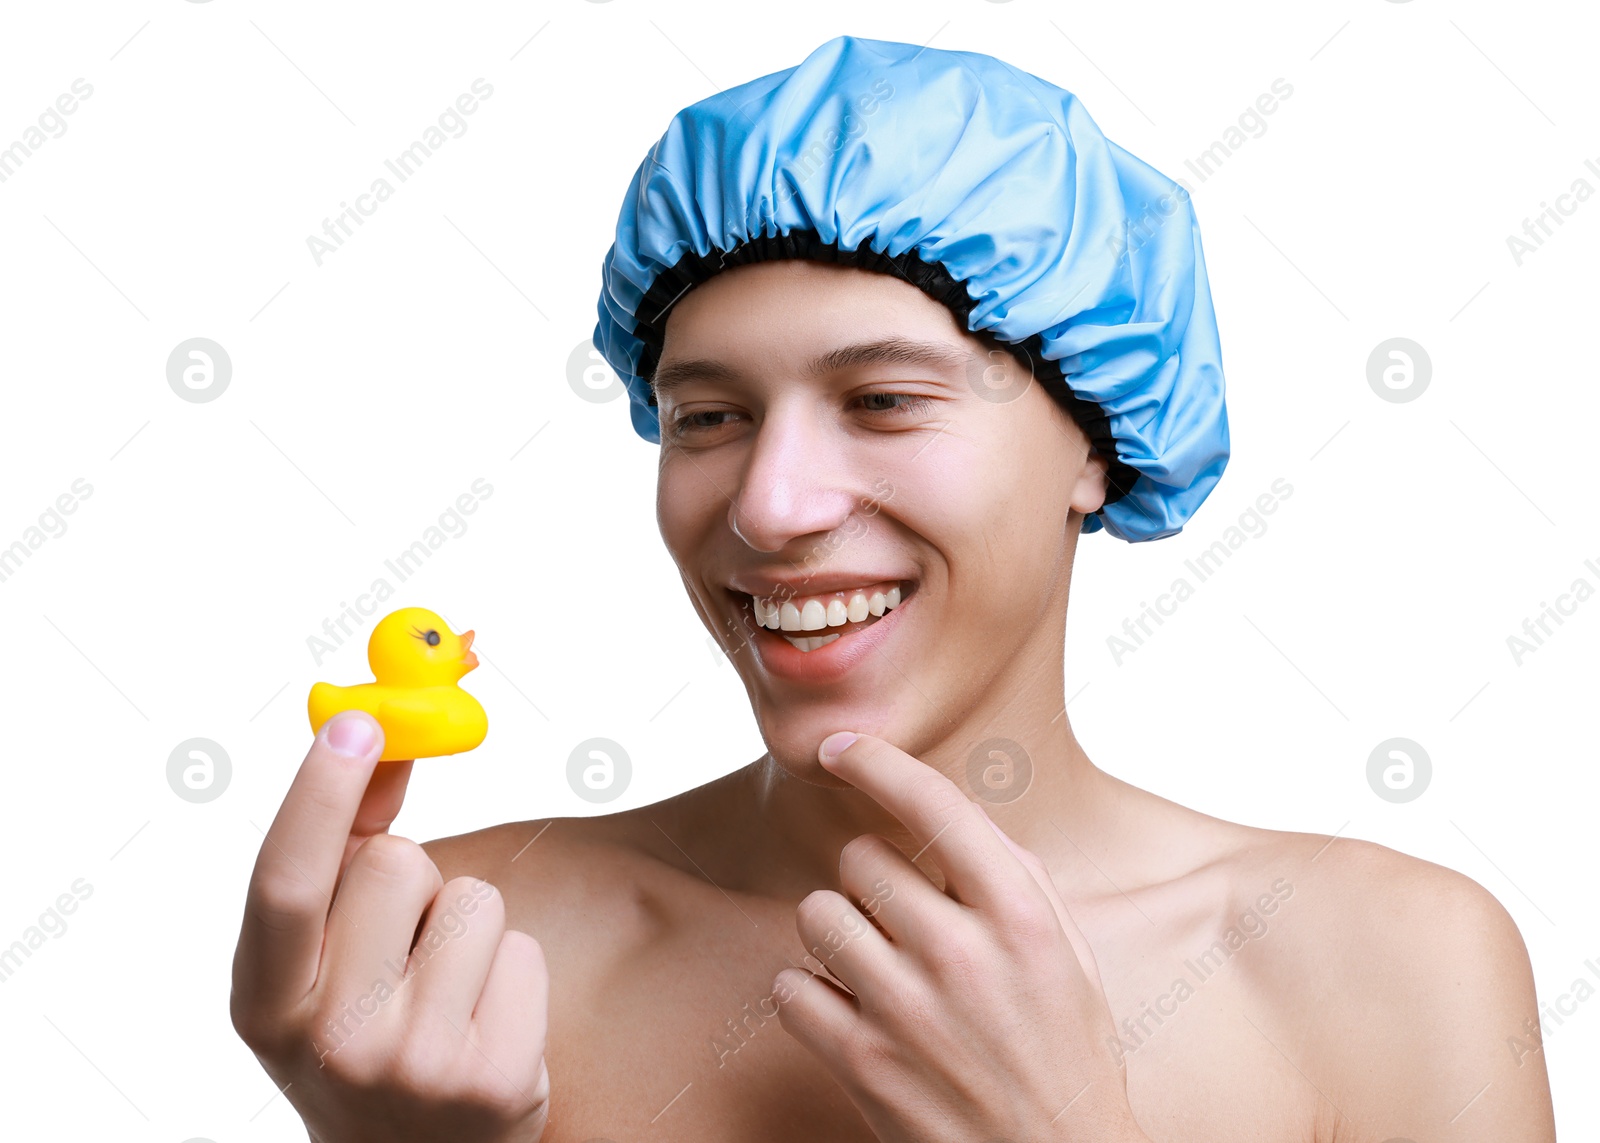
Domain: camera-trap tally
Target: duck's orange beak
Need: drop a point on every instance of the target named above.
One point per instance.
(467, 656)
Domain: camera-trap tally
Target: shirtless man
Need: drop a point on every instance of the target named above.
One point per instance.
(894, 945)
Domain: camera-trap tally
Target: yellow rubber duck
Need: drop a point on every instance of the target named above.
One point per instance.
(416, 661)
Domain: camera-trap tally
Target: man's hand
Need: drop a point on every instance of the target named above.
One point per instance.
(978, 1012)
(386, 1003)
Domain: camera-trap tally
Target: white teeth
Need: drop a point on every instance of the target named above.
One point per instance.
(812, 643)
(824, 611)
(819, 612)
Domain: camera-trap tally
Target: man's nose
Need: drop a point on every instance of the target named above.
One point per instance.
(795, 484)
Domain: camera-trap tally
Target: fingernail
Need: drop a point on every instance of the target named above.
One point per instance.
(834, 745)
(350, 735)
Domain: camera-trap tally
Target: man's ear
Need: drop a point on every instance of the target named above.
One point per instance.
(1089, 493)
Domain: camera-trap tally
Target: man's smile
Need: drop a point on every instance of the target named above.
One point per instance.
(822, 611)
(818, 636)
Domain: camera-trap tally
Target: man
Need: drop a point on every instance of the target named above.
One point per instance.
(924, 914)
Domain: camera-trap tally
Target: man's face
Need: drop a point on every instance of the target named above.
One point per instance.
(783, 488)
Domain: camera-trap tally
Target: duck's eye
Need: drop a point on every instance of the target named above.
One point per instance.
(433, 638)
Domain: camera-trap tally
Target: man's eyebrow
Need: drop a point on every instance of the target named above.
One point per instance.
(887, 351)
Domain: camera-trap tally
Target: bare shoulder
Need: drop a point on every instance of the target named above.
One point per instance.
(1405, 904)
(1402, 989)
(581, 886)
(1390, 924)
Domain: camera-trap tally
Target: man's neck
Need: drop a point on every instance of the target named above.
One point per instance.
(1046, 798)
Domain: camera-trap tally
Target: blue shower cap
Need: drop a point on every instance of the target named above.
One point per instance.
(985, 186)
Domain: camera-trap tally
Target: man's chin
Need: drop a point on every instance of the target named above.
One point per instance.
(793, 741)
(811, 773)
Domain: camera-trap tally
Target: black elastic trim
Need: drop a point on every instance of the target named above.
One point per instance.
(930, 277)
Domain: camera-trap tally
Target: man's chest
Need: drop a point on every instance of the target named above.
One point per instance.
(683, 1041)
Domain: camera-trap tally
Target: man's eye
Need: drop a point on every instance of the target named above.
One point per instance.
(907, 403)
(687, 422)
(912, 402)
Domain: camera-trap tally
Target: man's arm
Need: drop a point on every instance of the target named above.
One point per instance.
(1430, 1029)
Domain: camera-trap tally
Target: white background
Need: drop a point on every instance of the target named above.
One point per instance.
(433, 349)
